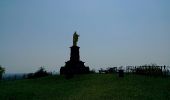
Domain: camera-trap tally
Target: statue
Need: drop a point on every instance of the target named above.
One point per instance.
(75, 39)
(74, 65)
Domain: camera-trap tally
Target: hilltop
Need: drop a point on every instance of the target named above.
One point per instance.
(87, 87)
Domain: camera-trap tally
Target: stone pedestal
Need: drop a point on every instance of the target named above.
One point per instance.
(74, 65)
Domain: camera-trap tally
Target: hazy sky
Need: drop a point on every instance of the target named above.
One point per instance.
(36, 33)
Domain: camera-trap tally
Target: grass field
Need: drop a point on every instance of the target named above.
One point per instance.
(87, 87)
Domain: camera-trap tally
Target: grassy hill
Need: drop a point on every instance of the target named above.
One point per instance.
(87, 87)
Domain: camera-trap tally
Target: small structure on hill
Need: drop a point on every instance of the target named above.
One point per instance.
(74, 65)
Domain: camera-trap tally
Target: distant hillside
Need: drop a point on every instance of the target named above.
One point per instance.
(87, 87)
(13, 76)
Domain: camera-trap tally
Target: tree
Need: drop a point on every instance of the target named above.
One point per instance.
(41, 72)
(2, 70)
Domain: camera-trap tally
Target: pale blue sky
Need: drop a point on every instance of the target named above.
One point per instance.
(36, 33)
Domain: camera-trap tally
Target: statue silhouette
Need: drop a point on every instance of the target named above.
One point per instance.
(75, 39)
(74, 65)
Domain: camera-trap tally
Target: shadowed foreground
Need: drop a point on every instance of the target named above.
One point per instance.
(87, 87)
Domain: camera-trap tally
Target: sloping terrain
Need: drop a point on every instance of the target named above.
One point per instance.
(87, 87)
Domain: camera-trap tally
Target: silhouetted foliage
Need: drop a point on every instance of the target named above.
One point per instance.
(102, 71)
(40, 73)
(92, 71)
(108, 70)
(112, 70)
(149, 70)
(30, 75)
(2, 70)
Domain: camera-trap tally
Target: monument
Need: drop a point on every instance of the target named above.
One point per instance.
(74, 65)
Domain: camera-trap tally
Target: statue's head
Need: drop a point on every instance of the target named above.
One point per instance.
(75, 34)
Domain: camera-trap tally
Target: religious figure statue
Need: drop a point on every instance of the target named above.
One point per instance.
(75, 39)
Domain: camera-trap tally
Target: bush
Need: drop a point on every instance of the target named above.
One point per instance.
(92, 71)
(108, 70)
(2, 70)
(40, 73)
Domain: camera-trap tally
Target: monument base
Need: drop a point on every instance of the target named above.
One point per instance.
(74, 68)
(74, 65)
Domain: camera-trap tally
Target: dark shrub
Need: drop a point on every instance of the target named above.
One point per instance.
(108, 70)
(92, 71)
(40, 73)
(112, 70)
(2, 70)
(30, 75)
